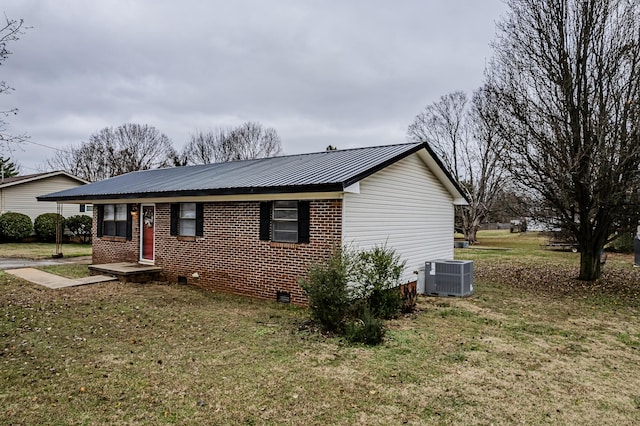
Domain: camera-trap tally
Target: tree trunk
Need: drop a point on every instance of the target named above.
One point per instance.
(589, 265)
(471, 235)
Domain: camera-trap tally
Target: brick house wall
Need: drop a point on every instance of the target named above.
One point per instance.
(230, 256)
(112, 249)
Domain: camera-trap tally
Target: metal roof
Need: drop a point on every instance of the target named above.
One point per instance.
(316, 172)
(17, 180)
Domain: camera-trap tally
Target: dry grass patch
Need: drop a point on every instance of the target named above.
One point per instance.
(518, 352)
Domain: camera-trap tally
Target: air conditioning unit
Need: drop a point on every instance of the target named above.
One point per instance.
(449, 278)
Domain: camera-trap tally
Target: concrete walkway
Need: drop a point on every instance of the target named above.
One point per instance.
(46, 279)
(14, 263)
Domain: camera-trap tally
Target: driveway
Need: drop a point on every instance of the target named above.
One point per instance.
(15, 263)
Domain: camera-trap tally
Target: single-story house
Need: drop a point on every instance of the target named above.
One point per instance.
(254, 226)
(18, 194)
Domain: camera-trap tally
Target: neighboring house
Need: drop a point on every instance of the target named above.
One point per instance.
(18, 194)
(253, 227)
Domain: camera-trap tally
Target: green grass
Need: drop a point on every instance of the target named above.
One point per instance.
(67, 270)
(525, 349)
(42, 250)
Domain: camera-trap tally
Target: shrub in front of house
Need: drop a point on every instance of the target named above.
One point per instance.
(376, 275)
(352, 292)
(15, 226)
(326, 286)
(80, 225)
(365, 328)
(45, 226)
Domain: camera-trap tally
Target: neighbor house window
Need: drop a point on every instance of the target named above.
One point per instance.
(187, 219)
(86, 208)
(114, 220)
(284, 221)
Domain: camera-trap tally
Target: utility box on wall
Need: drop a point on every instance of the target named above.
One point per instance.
(449, 278)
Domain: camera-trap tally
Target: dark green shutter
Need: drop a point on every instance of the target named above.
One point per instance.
(265, 221)
(199, 219)
(303, 221)
(175, 213)
(100, 208)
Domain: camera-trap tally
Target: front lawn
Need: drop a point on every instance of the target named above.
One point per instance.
(42, 250)
(532, 346)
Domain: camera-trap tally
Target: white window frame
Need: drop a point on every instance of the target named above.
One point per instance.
(185, 217)
(282, 220)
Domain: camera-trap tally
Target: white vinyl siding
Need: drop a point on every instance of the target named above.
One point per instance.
(21, 198)
(407, 207)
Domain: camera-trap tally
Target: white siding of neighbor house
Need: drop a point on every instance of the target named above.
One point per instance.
(21, 198)
(407, 207)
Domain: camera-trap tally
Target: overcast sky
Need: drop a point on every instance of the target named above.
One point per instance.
(342, 73)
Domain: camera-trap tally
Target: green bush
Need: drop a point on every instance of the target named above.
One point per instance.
(80, 225)
(15, 226)
(326, 286)
(376, 274)
(624, 242)
(352, 292)
(365, 329)
(45, 226)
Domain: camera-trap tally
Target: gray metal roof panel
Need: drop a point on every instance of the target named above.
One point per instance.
(314, 172)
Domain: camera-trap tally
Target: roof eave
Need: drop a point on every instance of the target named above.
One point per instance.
(330, 187)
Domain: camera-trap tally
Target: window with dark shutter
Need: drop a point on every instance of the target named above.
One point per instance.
(187, 220)
(265, 221)
(175, 211)
(303, 221)
(199, 219)
(114, 220)
(100, 219)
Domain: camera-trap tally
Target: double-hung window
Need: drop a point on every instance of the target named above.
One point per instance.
(284, 221)
(114, 220)
(187, 221)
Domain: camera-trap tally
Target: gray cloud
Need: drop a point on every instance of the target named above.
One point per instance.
(321, 72)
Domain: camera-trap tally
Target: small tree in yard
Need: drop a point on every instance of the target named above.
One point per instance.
(80, 225)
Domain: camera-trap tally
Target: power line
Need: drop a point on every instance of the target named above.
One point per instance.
(46, 146)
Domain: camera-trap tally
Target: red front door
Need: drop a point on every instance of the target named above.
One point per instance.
(147, 226)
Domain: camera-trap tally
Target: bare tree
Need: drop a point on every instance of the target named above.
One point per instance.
(566, 78)
(204, 146)
(10, 32)
(111, 152)
(463, 135)
(245, 142)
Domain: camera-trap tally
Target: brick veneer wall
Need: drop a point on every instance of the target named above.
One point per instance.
(230, 256)
(110, 249)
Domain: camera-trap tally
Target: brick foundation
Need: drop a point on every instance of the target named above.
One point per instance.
(230, 256)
